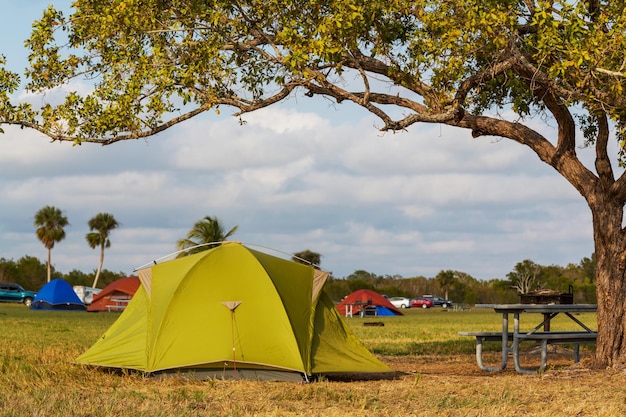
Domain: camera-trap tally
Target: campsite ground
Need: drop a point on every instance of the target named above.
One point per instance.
(438, 376)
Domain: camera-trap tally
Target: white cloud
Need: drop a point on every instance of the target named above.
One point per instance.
(284, 120)
(362, 200)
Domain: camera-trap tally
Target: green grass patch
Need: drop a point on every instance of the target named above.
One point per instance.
(435, 331)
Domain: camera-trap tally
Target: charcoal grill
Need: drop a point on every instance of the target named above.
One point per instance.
(548, 297)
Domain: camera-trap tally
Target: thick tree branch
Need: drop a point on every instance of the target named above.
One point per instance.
(421, 112)
(547, 90)
(603, 163)
(571, 168)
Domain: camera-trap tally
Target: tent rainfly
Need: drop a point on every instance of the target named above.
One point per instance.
(233, 312)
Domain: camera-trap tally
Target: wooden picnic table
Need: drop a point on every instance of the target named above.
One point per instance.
(511, 340)
(120, 304)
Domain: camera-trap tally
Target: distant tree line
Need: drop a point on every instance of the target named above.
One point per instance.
(30, 273)
(461, 287)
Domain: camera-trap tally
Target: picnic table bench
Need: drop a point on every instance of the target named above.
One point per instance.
(511, 340)
(120, 304)
(488, 337)
(575, 338)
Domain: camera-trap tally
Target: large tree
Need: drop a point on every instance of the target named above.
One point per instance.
(205, 234)
(50, 223)
(486, 66)
(100, 227)
(525, 277)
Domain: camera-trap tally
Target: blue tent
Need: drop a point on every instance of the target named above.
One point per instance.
(57, 295)
(385, 311)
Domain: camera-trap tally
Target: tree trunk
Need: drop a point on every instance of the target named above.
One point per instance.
(95, 281)
(610, 248)
(49, 264)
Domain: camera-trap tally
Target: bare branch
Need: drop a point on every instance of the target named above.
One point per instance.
(376, 66)
(259, 104)
(612, 73)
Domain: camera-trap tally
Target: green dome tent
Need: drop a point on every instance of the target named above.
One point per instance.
(233, 312)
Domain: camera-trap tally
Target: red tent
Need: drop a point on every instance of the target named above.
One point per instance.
(367, 302)
(116, 295)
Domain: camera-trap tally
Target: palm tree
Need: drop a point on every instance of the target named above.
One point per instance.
(100, 225)
(50, 223)
(206, 231)
(446, 279)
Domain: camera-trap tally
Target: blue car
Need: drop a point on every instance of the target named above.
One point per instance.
(438, 301)
(14, 293)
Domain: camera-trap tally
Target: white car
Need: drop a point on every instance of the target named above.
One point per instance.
(400, 302)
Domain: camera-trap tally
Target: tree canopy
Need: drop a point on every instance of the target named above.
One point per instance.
(155, 64)
(485, 66)
(205, 234)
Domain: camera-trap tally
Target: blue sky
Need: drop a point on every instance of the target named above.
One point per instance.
(301, 175)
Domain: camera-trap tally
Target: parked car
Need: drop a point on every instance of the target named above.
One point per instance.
(421, 302)
(14, 293)
(438, 301)
(400, 302)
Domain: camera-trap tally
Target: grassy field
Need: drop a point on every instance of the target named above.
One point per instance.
(439, 376)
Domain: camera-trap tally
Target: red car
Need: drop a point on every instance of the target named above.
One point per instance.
(421, 302)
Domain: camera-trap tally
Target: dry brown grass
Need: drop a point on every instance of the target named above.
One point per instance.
(442, 386)
(38, 379)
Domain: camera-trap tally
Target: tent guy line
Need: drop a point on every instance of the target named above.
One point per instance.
(224, 242)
